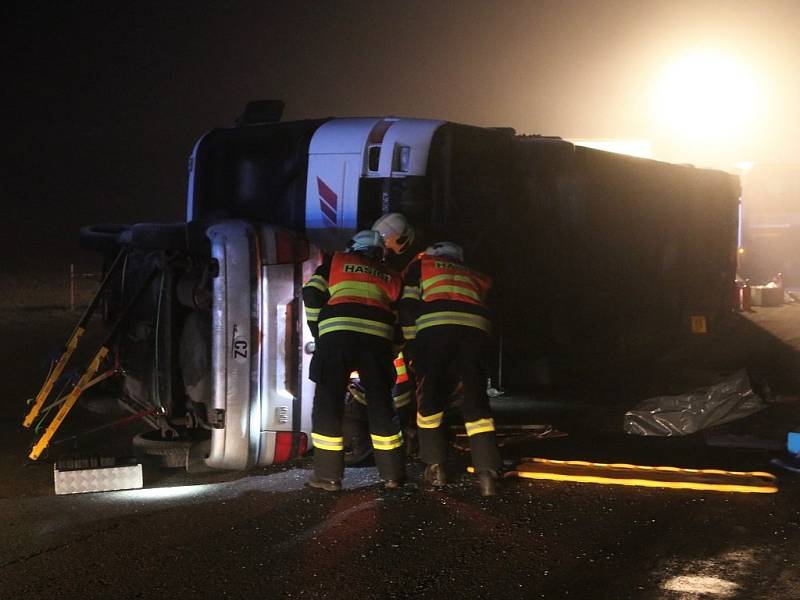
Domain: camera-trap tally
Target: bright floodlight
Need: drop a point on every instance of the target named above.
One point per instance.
(705, 95)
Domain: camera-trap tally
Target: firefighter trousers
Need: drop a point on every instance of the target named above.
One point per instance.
(356, 419)
(338, 354)
(444, 354)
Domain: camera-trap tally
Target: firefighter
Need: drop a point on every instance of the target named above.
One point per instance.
(349, 311)
(397, 234)
(403, 243)
(443, 309)
(399, 238)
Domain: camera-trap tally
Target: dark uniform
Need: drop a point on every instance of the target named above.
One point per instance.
(356, 422)
(403, 392)
(444, 311)
(348, 306)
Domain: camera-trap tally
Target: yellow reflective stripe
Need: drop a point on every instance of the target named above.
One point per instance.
(432, 281)
(368, 326)
(759, 482)
(451, 289)
(453, 318)
(402, 400)
(387, 442)
(327, 438)
(400, 370)
(680, 485)
(325, 442)
(363, 285)
(410, 332)
(431, 421)
(411, 292)
(479, 426)
(312, 314)
(361, 289)
(317, 281)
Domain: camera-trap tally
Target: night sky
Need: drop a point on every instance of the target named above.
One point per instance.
(104, 100)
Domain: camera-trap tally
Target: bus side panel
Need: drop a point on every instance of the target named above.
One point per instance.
(599, 259)
(336, 164)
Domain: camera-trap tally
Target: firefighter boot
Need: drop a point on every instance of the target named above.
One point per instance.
(393, 484)
(434, 474)
(328, 470)
(487, 482)
(327, 485)
(391, 467)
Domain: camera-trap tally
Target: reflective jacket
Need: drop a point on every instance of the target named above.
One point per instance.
(349, 292)
(402, 390)
(441, 291)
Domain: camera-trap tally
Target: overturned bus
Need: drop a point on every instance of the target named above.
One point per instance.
(597, 258)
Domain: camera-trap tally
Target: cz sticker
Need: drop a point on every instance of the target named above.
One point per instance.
(240, 347)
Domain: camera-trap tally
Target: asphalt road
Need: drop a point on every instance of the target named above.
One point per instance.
(261, 534)
(264, 536)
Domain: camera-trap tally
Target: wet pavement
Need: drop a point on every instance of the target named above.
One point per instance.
(264, 535)
(261, 534)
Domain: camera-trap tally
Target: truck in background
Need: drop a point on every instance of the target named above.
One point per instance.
(599, 260)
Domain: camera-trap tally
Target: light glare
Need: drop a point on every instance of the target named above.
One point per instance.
(707, 95)
(701, 585)
(633, 147)
(163, 493)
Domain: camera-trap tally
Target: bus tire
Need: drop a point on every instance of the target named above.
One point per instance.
(172, 454)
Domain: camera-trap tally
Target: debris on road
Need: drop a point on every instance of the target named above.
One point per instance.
(511, 434)
(792, 464)
(728, 400)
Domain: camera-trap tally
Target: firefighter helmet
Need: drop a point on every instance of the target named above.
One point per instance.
(368, 243)
(447, 249)
(396, 231)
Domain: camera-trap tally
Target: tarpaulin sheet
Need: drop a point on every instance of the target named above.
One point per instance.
(728, 400)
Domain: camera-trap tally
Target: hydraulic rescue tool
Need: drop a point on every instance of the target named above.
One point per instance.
(69, 347)
(88, 378)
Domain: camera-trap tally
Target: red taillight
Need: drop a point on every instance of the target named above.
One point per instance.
(289, 445)
(284, 441)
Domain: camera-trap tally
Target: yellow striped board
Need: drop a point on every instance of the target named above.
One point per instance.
(579, 471)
